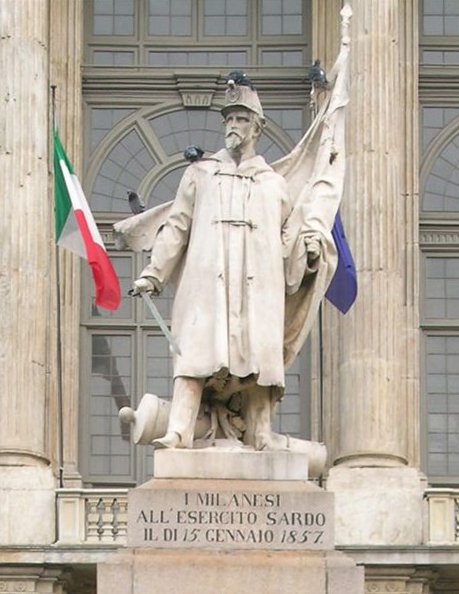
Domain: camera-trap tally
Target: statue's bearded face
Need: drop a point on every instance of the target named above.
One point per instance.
(240, 129)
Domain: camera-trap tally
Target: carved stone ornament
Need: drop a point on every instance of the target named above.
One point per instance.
(383, 586)
(196, 99)
(233, 94)
(11, 586)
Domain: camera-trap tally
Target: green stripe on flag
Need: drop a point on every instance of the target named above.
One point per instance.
(62, 204)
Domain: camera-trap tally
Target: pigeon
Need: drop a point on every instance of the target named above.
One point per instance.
(237, 77)
(317, 76)
(136, 203)
(193, 153)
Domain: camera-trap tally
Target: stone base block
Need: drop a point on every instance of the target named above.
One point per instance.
(27, 505)
(244, 572)
(371, 505)
(230, 463)
(223, 514)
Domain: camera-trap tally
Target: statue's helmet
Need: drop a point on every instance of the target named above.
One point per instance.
(241, 93)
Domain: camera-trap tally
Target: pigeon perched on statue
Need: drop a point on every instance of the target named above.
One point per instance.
(193, 153)
(317, 76)
(237, 77)
(136, 203)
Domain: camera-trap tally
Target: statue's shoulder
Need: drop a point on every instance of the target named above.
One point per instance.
(268, 172)
(204, 165)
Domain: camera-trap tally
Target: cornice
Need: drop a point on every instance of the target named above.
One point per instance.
(439, 234)
(161, 81)
(439, 84)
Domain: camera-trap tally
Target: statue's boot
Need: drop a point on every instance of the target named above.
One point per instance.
(258, 407)
(184, 411)
(170, 440)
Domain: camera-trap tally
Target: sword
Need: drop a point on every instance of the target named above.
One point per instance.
(162, 324)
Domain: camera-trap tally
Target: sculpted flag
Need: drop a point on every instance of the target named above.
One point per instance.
(76, 229)
(342, 291)
(315, 172)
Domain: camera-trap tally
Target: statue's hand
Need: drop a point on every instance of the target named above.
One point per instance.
(146, 284)
(313, 248)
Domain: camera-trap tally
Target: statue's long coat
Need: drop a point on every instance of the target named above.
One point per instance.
(223, 235)
(234, 245)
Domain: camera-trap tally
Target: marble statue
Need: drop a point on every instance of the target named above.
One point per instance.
(248, 248)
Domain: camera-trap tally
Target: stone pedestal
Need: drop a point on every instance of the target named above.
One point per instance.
(231, 463)
(274, 534)
(217, 572)
(230, 515)
(27, 502)
(376, 506)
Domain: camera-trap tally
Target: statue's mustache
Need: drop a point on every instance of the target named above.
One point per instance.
(231, 133)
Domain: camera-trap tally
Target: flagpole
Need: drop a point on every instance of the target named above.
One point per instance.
(320, 435)
(320, 432)
(60, 408)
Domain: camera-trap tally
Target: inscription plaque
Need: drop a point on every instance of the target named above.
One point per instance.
(230, 515)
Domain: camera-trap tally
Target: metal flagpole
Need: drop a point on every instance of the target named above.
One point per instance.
(60, 408)
(313, 107)
(320, 435)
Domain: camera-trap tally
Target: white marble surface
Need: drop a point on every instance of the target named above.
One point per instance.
(244, 572)
(27, 505)
(377, 506)
(230, 515)
(230, 462)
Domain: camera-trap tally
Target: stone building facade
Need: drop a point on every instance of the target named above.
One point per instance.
(136, 82)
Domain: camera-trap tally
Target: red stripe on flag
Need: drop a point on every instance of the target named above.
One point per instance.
(108, 293)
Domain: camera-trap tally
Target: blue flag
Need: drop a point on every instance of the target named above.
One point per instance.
(342, 291)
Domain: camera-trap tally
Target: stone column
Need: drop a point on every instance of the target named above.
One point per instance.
(368, 341)
(66, 50)
(326, 31)
(26, 481)
(409, 52)
(366, 368)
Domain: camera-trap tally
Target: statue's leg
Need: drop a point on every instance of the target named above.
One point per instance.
(258, 407)
(184, 411)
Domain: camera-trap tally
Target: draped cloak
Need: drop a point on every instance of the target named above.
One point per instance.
(234, 242)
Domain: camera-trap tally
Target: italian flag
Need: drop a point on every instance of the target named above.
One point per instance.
(76, 229)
